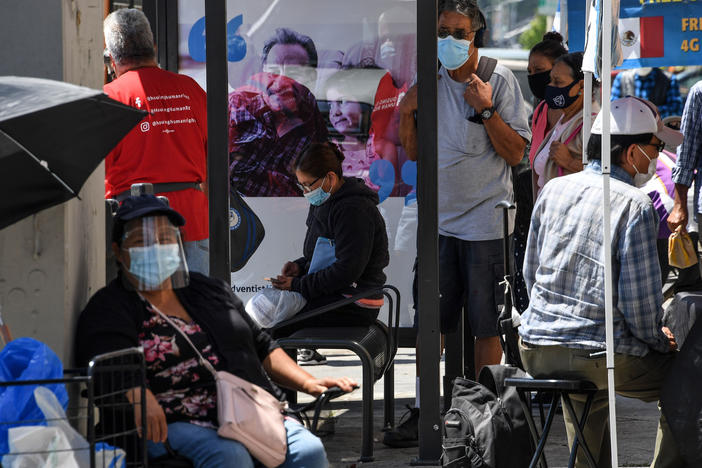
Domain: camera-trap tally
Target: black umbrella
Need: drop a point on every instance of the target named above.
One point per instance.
(52, 137)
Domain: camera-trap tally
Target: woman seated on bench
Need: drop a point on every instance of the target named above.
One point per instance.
(344, 212)
(181, 400)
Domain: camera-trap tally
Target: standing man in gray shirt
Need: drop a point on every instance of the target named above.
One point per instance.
(483, 131)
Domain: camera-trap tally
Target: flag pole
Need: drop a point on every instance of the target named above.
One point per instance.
(587, 98)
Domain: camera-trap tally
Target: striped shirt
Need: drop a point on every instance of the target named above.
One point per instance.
(690, 152)
(564, 266)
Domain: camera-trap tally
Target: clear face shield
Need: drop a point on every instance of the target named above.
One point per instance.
(152, 254)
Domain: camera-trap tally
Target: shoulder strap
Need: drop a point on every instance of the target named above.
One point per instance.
(201, 359)
(486, 65)
(540, 107)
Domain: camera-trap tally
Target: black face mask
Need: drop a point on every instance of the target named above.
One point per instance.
(538, 82)
(558, 98)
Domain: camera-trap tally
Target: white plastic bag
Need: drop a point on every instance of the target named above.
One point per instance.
(270, 306)
(56, 417)
(64, 446)
(51, 440)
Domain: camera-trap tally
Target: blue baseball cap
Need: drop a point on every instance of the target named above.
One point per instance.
(146, 204)
(139, 206)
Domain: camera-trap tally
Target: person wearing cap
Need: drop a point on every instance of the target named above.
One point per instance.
(562, 332)
(661, 190)
(181, 399)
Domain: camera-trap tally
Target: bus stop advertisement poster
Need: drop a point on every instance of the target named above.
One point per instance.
(653, 33)
(314, 70)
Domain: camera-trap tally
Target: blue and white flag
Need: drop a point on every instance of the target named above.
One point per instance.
(592, 59)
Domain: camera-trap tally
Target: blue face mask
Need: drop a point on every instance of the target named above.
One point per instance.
(152, 265)
(318, 196)
(453, 53)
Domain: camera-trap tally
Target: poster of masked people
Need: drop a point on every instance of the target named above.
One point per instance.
(302, 72)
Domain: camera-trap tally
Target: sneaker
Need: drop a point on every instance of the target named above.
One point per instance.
(406, 434)
(310, 357)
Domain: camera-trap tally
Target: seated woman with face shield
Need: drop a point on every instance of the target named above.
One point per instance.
(181, 399)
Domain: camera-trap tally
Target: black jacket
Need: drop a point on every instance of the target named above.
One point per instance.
(114, 316)
(351, 218)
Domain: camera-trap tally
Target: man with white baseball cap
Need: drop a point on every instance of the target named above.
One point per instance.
(562, 333)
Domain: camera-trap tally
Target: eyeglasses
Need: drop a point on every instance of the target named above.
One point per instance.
(307, 187)
(660, 146)
(459, 34)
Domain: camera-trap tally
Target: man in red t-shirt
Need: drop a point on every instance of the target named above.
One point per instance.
(169, 147)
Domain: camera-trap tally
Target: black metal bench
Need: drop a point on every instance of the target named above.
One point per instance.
(375, 345)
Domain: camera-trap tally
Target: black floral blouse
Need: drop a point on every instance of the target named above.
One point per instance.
(185, 389)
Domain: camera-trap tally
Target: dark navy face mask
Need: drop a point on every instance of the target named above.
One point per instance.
(558, 98)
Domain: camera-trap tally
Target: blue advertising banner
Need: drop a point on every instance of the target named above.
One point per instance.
(653, 33)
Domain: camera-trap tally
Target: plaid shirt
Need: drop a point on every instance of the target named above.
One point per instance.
(644, 87)
(564, 266)
(690, 152)
(260, 158)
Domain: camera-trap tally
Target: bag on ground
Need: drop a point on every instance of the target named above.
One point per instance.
(270, 306)
(482, 430)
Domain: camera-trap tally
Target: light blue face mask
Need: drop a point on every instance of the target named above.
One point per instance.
(452, 52)
(318, 196)
(152, 265)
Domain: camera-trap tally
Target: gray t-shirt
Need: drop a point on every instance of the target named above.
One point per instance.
(472, 177)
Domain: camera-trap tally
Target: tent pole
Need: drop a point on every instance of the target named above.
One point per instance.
(587, 111)
(606, 37)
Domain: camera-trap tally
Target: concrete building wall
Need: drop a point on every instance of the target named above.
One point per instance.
(31, 38)
(52, 262)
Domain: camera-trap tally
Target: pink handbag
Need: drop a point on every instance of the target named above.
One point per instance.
(246, 412)
(249, 414)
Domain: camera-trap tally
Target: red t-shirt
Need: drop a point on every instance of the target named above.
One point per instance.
(169, 145)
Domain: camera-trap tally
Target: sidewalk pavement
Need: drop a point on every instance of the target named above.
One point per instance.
(636, 420)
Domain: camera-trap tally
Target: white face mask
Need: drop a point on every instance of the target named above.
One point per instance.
(641, 179)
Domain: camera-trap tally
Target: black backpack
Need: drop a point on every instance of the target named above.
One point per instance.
(486, 426)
